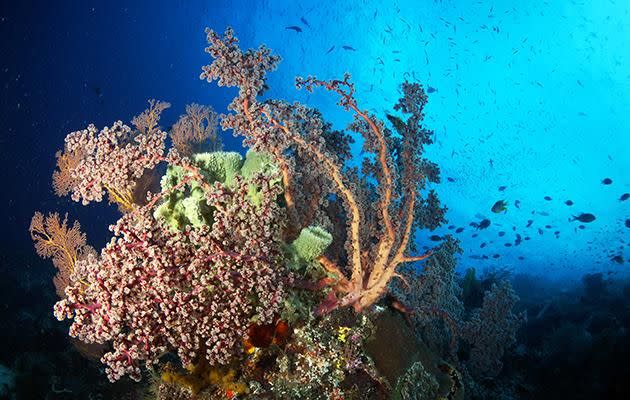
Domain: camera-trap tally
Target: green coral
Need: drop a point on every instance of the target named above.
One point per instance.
(188, 207)
(311, 243)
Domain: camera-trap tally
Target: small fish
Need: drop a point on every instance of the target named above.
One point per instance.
(568, 203)
(606, 181)
(305, 22)
(475, 257)
(501, 233)
(435, 238)
(459, 230)
(482, 245)
(618, 259)
(517, 204)
(540, 231)
(502, 188)
(543, 213)
(581, 227)
(398, 123)
(483, 224)
(529, 223)
(474, 235)
(584, 217)
(451, 227)
(628, 223)
(521, 258)
(548, 226)
(293, 28)
(345, 47)
(518, 240)
(547, 198)
(499, 206)
(431, 89)
(496, 256)
(527, 238)
(331, 49)
(507, 244)
(450, 179)
(624, 197)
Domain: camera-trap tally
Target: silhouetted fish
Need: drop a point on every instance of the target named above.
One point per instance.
(518, 240)
(584, 217)
(483, 224)
(547, 198)
(618, 259)
(496, 256)
(294, 28)
(540, 231)
(499, 206)
(331, 49)
(521, 258)
(459, 230)
(345, 47)
(517, 203)
(624, 197)
(568, 203)
(543, 213)
(508, 244)
(435, 238)
(450, 179)
(305, 22)
(482, 245)
(501, 233)
(398, 123)
(529, 223)
(606, 181)
(431, 89)
(628, 223)
(581, 227)
(502, 188)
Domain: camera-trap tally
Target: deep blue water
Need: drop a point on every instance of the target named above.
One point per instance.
(532, 96)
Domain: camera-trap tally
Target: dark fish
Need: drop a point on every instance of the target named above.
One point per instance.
(529, 223)
(521, 258)
(348, 48)
(606, 181)
(474, 235)
(450, 179)
(584, 217)
(526, 238)
(508, 244)
(485, 257)
(305, 22)
(484, 224)
(501, 233)
(543, 213)
(331, 49)
(475, 257)
(451, 227)
(628, 223)
(435, 238)
(540, 231)
(568, 203)
(624, 197)
(294, 28)
(581, 227)
(517, 203)
(499, 206)
(556, 233)
(547, 198)
(496, 256)
(518, 240)
(502, 188)
(431, 89)
(398, 123)
(618, 259)
(548, 226)
(459, 230)
(482, 245)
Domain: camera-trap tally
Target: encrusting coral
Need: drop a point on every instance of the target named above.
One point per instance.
(260, 274)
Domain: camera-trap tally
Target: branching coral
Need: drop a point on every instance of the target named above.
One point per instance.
(65, 245)
(196, 131)
(378, 237)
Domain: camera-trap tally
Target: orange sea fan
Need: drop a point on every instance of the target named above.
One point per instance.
(54, 239)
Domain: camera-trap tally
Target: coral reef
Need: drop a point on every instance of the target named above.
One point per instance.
(272, 275)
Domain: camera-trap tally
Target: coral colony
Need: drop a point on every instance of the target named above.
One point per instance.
(274, 274)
